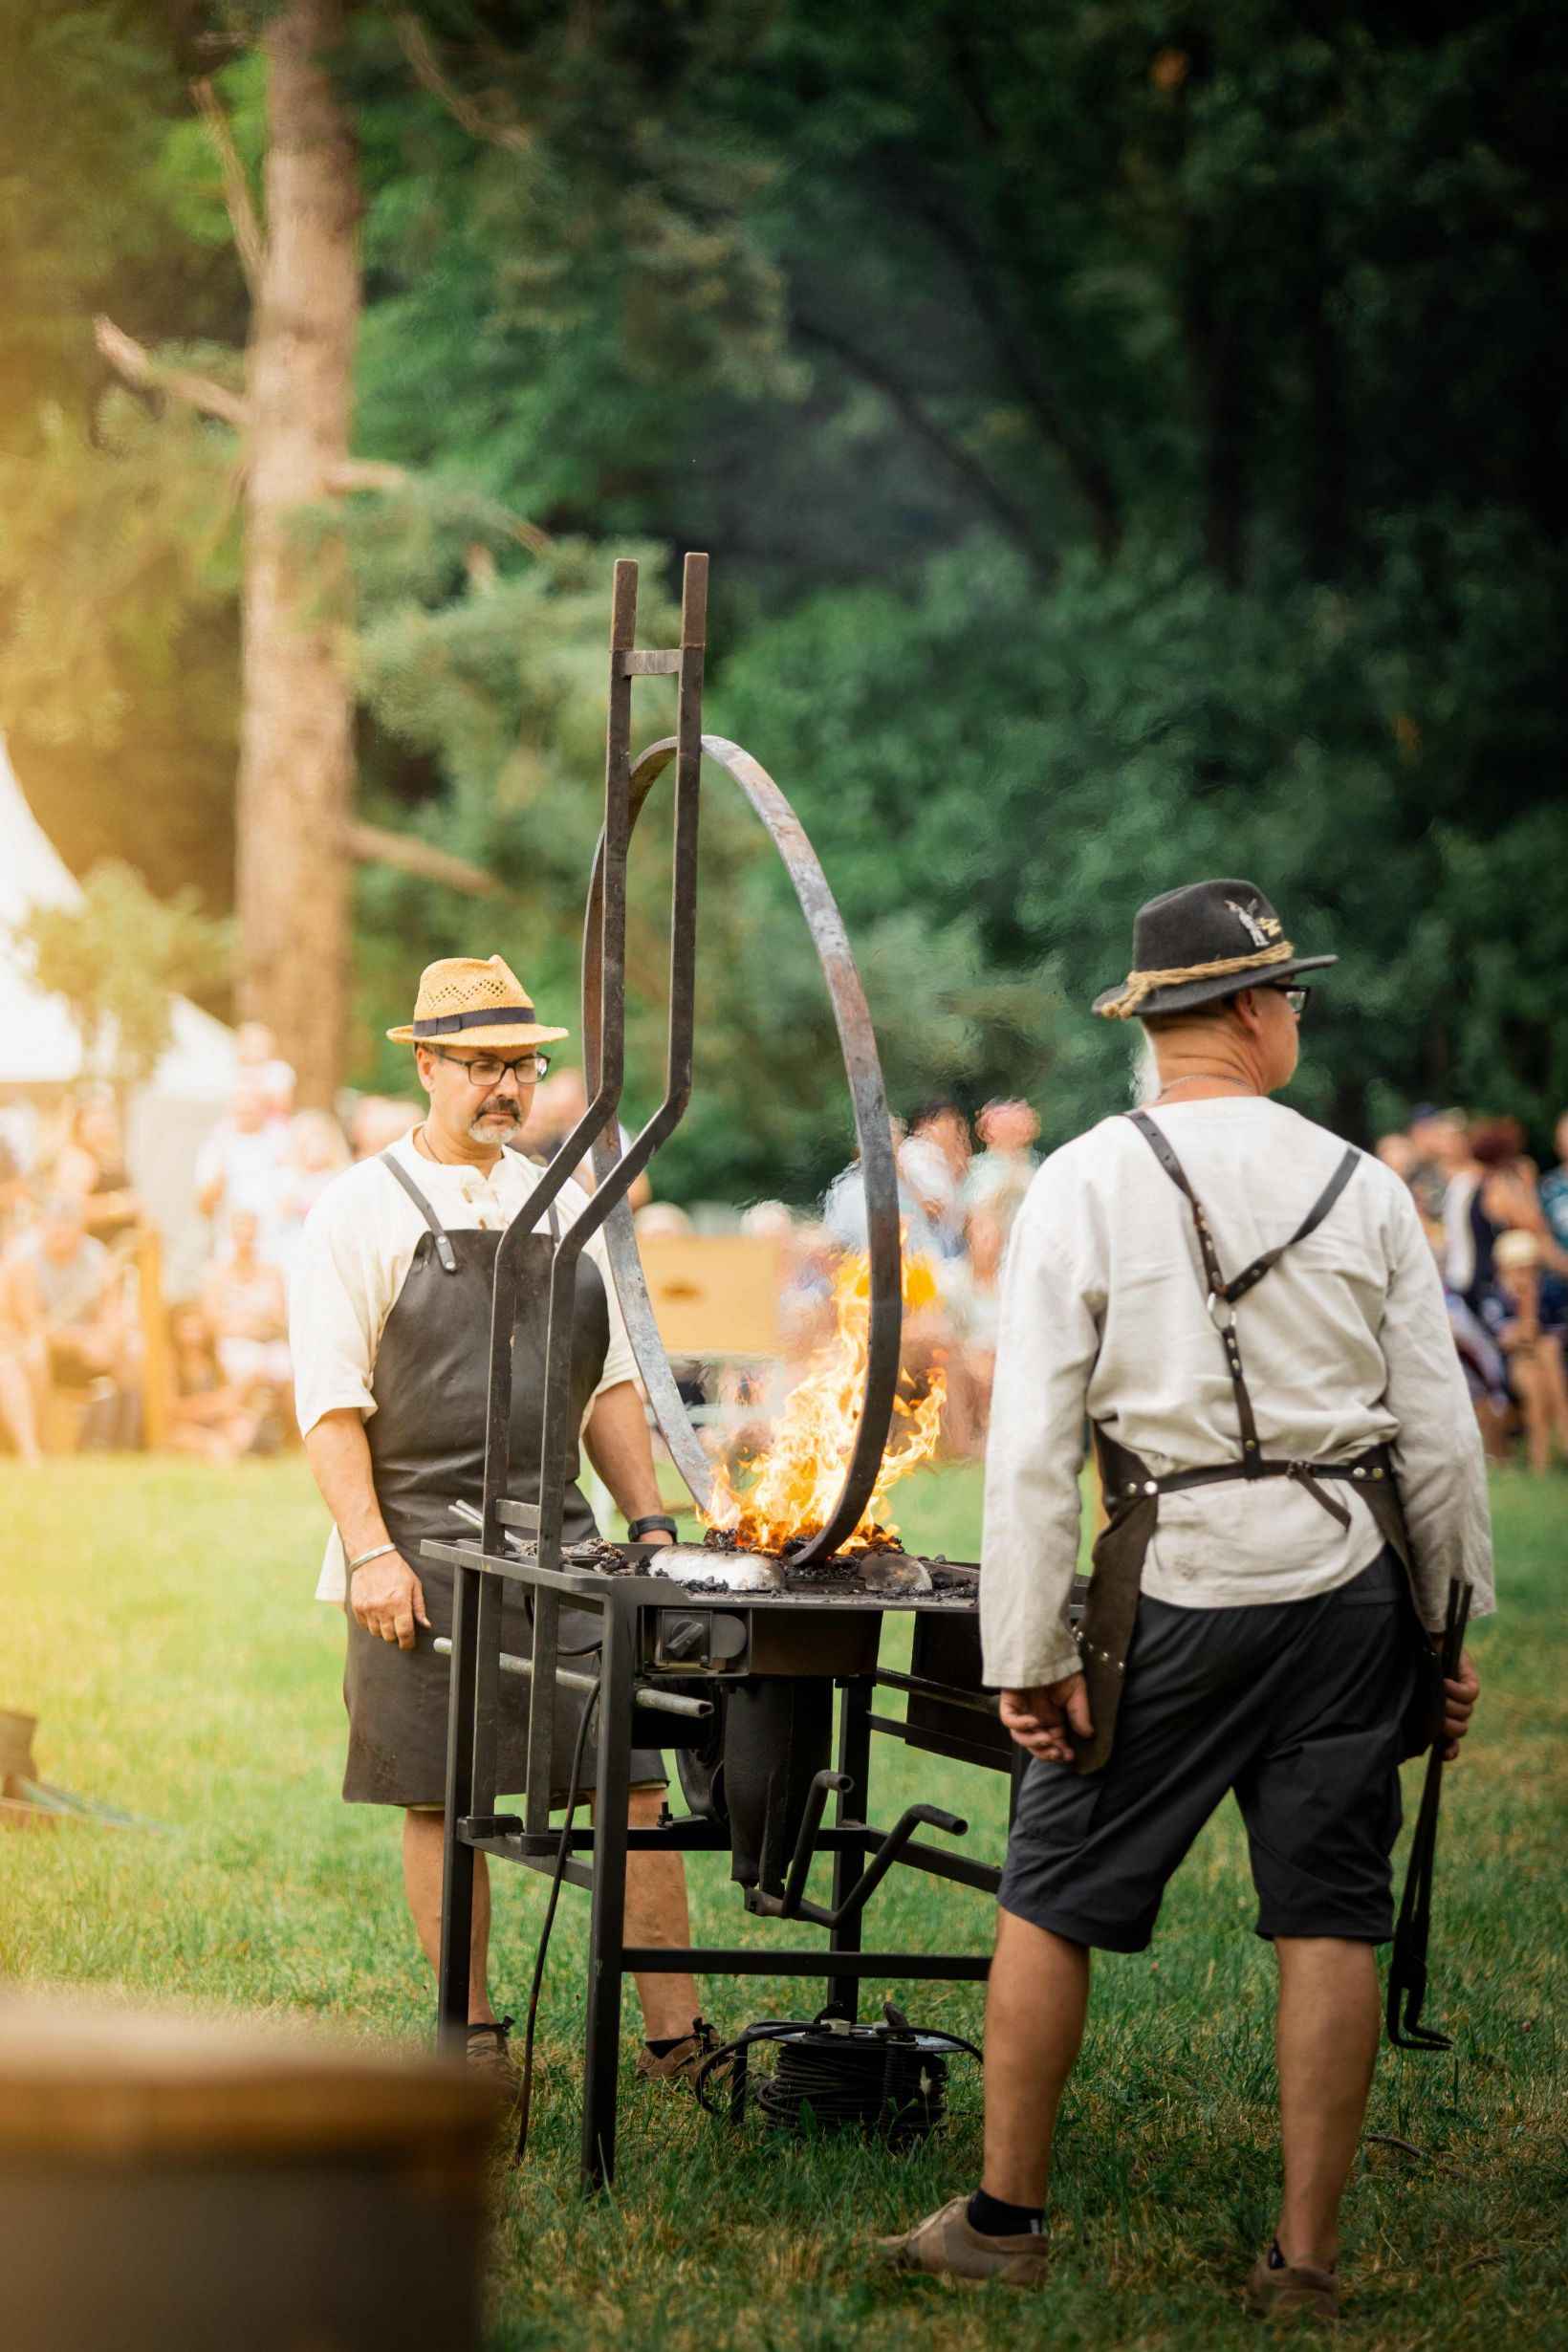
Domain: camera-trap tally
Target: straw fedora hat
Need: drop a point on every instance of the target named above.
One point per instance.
(478, 1000)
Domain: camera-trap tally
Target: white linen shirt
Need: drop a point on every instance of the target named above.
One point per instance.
(1345, 1344)
(354, 1253)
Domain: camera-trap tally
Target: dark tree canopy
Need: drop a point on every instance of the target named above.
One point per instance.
(1129, 444)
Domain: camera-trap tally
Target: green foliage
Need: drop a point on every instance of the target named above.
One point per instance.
(995, 772)
(1129, 446)
(117, 959)
(119, 623)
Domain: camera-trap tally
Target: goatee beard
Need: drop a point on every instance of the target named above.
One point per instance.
(479, 1129)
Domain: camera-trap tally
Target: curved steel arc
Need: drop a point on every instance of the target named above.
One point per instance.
(872, 1126)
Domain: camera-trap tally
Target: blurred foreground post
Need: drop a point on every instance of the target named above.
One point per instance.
(174, 2182)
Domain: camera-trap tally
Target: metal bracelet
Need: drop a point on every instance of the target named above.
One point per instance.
(373, 1554)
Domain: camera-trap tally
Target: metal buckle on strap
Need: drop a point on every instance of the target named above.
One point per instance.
(1227, 1305)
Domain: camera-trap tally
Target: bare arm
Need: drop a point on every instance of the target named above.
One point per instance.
(385, 1594)
(619, 1447)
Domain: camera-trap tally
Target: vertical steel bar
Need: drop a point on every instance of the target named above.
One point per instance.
(853, 1803)
(488, 1599)
(599, 1116)
(536, 1216)
(457, 1857)
(541, 1711)
(607, 1920)
(617, 1170)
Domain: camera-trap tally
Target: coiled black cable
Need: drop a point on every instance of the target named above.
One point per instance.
(888, 2081)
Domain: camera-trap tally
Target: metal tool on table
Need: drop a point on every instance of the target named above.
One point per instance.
(753, 1646)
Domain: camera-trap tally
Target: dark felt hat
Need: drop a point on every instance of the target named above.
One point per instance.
(1207, 940)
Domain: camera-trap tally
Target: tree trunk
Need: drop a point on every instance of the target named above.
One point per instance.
(295, 735)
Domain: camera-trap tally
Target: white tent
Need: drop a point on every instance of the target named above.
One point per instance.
(38, 1041)
(41, 1046)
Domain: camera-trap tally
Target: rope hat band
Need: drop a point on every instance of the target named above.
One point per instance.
(1139, 986)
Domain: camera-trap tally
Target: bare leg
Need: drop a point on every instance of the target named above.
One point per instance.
(1555, 1382)
(1536, 1410)
(423, 1839)
(1326, 2043)
(657, 1913)
(1035, 2011)
(18, 1409)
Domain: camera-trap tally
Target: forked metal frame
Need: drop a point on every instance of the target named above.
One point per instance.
(482, 1564)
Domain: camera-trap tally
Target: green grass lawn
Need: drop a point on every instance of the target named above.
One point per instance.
(159, 1623)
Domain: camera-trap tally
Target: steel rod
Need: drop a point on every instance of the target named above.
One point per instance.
(761, 1960)
(924, 1687)
(661, 1702)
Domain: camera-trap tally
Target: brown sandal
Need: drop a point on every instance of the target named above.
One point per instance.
(490, 2059)
(1294, 2288)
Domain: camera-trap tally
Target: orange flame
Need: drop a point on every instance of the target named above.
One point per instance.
(792, 1485)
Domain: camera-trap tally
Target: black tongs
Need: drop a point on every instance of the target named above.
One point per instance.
(1407, 1969)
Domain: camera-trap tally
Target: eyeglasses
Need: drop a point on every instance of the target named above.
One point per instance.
(487, 1070)
(1296, 998)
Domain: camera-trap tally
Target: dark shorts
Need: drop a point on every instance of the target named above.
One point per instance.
(1299, 1707)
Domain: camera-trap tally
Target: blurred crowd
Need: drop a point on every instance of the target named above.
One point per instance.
(70, 1337)
(1499, 1229)
(75, 1339)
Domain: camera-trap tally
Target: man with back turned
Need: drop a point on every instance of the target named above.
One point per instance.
(1249, 1317)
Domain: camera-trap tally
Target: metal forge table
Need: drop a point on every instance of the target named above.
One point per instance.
(666, 1652)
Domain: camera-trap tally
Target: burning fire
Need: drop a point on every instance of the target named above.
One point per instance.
(792, 1487)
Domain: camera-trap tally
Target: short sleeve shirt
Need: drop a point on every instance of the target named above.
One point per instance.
(355, 1251)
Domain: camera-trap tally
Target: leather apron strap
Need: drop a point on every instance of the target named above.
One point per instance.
(442, 1240)
(445, 1251)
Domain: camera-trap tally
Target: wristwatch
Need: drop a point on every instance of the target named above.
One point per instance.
(639, 1528)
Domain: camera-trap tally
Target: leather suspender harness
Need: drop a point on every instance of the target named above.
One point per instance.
(1222, 1314)
(1132, 1499)
(446, 1254)
(1132, 1491)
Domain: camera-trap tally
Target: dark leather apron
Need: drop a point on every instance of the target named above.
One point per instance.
(427, 1439)
(1132, 1493)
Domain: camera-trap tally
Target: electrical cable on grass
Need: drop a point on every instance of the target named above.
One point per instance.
(556, 1881)
(887, 2080)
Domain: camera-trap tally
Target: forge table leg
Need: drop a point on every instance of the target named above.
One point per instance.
(852, 1804)
(457, 1857)
(607, 1927)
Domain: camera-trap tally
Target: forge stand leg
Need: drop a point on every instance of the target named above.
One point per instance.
(457, 1857)
(607, 1927)
(852, 1804)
